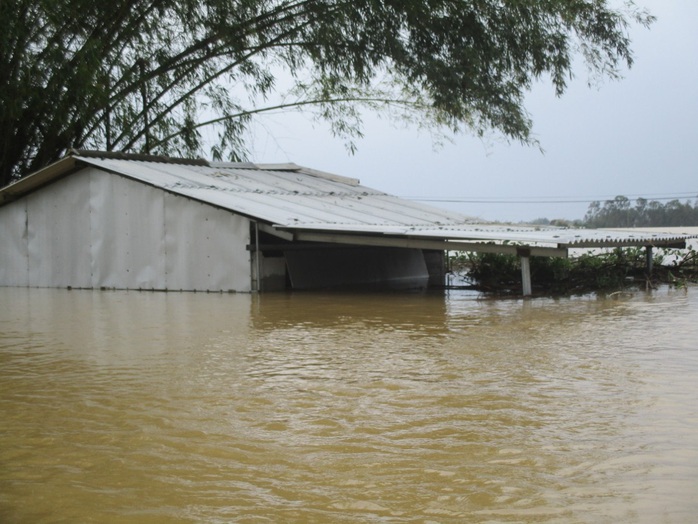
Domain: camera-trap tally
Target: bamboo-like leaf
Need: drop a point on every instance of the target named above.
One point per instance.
(152, 74)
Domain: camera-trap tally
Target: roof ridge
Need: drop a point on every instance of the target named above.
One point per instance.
(120, 155)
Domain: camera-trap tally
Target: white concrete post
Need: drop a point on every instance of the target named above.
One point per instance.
(257, 260)
(525, 255)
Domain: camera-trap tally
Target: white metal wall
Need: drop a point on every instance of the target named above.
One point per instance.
(93, 229)
(59, 231)
(14, 259)
(127, 244)
(205, 247)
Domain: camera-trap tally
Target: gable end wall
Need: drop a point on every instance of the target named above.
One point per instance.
(98, 230)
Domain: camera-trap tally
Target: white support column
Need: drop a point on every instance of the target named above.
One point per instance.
(525, 255)
(257, 269)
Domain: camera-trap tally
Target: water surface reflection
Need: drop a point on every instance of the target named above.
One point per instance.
(149, 407)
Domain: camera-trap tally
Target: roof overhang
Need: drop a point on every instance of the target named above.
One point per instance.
(442, 244)
(486, 239)
(40, 178)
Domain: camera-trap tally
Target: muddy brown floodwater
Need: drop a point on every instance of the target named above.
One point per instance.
(121, 407)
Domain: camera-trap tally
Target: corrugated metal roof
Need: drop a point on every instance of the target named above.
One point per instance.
(295, 198)
(286, 195)
(560, 237)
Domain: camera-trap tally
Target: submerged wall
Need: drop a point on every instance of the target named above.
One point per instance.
(94, 229)
(357, 267)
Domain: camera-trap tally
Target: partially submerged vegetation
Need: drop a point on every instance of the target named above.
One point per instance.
(598, 270)
(606, 271)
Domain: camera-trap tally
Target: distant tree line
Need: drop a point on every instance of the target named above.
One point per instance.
(620, 212)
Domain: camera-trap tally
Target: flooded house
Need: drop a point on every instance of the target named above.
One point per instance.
(99, 220)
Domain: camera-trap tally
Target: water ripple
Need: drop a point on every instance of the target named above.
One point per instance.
(123, 407)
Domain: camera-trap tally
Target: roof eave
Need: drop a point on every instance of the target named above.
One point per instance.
(676, 243)
(432, 243)
(37, 179)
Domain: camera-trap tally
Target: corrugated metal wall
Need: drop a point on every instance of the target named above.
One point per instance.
(94, 229)
(58, 234)
(13, 244)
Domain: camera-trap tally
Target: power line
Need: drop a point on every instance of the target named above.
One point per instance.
(545, 200)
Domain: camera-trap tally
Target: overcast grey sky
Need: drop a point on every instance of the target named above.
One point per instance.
(636, 137)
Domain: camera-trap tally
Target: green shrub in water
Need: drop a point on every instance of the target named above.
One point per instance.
(606, 271)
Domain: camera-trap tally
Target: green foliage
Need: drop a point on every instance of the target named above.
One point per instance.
(170, 77)
(607, 271)
(491, 271)
(619, 212)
